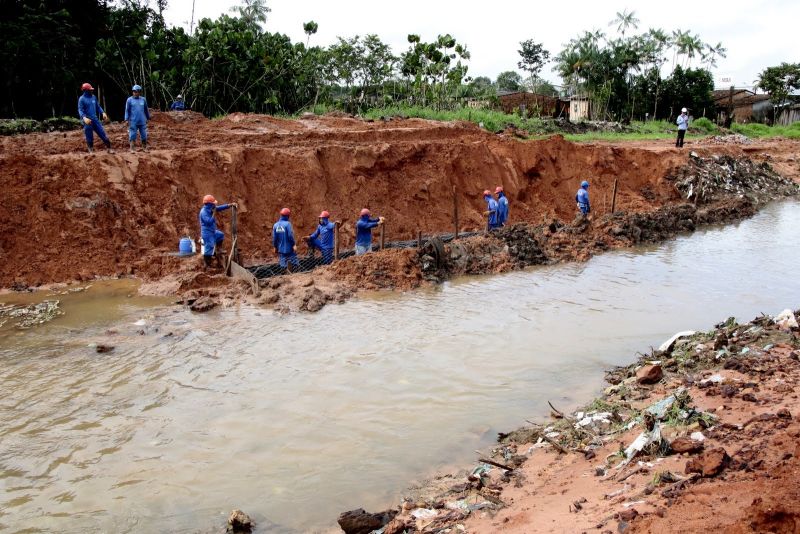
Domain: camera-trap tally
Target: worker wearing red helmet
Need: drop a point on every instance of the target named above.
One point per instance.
(90, 112)
(283, 241)
(212, 238)
(322, 238)
(502, 206)
(364, 227)
(491, 210)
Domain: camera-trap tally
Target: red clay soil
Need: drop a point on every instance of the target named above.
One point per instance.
(72, 215)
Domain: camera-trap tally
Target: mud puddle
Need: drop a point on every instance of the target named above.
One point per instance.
(295, 418)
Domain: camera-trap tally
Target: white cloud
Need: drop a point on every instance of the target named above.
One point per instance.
(756, 33)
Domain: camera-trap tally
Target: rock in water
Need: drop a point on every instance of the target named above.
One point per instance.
(239, 521)
(203, 304)
(649, 374)
(361, 522)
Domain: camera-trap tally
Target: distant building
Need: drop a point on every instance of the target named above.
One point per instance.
(579, 108)
(744, 106)
(528, 104)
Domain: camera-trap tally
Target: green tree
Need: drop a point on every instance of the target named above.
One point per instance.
(534, 57)
(310, 28)
(779, 82)
(690, 88)
(509, 81)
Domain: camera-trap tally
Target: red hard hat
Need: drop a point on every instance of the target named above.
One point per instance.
(209, 199)
(486, 192)
(286, 211)
(324, 215)
(87, 87)
(365, 211)
(498, 189)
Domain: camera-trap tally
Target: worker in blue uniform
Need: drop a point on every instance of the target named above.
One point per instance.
(283, 241)
(137, 115)
(212, 238)
(322, 238)
(90, 112)
(491, 210)
(582, 199)
(178, 104)
(364, 227)
(502, 206)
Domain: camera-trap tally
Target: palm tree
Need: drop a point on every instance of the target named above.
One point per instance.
(254, 12)
(712, 53)
(625, 20)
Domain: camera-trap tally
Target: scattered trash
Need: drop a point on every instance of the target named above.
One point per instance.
(648, 442)
(713, 379)
(423, 513)
(786, 320)
(668, 344)
(598, 421)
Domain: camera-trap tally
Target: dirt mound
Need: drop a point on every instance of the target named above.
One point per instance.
(169, 118)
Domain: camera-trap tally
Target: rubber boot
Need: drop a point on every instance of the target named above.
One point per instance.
(109, 149)
(90, 148)
(206, 261)
(133, 146)
(144, 145)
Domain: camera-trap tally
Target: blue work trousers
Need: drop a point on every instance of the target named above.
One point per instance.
(95, 126)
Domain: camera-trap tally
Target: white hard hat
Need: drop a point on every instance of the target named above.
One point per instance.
(180, 96)
(684, 110)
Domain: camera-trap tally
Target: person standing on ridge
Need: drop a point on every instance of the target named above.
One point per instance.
(322, 238)
(89, 111)
(491, 210)
(178, 104)
(502, 206)
(683, 125)
(364, 227)
(283, 241)
(212, 238)
(137, 115)
(582, 199)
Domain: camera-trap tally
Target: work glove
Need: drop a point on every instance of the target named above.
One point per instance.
(87, 121)
(105, 117)
(381, 220)
(294, 248)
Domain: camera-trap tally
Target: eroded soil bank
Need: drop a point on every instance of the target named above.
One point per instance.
(699, 435)
(120, 215)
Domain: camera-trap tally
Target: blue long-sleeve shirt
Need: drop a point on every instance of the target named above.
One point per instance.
(283, 236)
(178, 105)
(683, 122)
(364, 227)
(88, 106)
(324, 232)
(491, 207)
(582, 198)
(208, 223)
(502, 208)
(136, 111)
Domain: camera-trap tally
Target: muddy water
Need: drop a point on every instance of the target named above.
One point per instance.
(296, 418)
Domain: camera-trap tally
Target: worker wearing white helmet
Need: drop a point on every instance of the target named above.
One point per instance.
(683, 124)
(178, 104)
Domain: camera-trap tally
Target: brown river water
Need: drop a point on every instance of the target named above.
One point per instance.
(295, 418)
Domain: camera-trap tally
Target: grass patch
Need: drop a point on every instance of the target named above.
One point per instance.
(492, 120)
(762, 130)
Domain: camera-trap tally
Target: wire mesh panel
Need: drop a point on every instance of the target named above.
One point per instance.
(309, 263)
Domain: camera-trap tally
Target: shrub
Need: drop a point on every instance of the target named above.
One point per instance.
(706, 125)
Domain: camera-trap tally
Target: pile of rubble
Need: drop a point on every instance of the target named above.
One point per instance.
(707, 180)
(730, 139)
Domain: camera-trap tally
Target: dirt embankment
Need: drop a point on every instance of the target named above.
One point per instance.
(701, 435)
(72, 216)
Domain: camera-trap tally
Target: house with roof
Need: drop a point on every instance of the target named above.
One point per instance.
(742, 106)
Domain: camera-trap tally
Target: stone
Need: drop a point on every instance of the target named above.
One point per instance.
(398, 525)
(649, 374)
(239, 521)
(684, 444)
(628, 515)
(708, 464)
(203, 304)
(784, 413)
(361, 522)
(749, 397)
(102, 349)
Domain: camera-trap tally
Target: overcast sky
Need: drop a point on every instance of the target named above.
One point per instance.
(757, 33)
